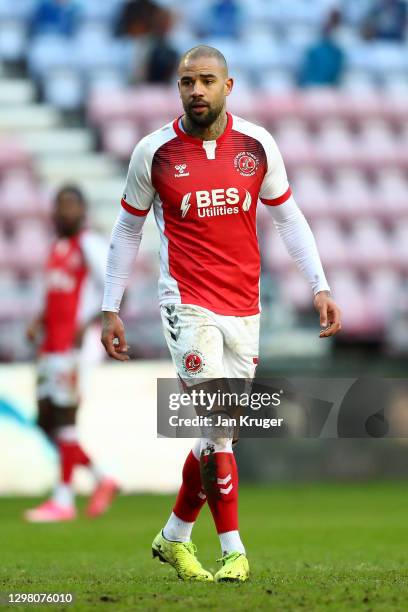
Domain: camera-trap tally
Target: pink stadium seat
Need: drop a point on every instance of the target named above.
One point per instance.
(19, 195)
(274, 252)
(369, 244)
(351, 196)
(377, 145)
(4, 252)
(296, 290)
(12, 154)
(336, 147)
(103, 108)
(392, 193)
(148, 101)
(30, 245)
(271, 107)
(312, 193)
(295, 145)
(355, 305)
(120, 137)
(331, 243)
(319, 103)
(399, 245)
(10, 303)
(384, 286)
(361, 105)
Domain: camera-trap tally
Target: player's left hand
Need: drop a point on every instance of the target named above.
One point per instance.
(329, 314)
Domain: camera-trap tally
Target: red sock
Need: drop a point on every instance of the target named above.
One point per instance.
(71, 454)
(190, 498)
(220, 479)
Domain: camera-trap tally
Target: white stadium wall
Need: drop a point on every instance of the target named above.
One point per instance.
(117, 427)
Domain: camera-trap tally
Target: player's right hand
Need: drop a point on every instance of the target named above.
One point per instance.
(113, 336)
(34, 329)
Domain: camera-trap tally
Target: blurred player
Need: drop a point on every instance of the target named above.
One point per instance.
(73, 278)
(203, 173)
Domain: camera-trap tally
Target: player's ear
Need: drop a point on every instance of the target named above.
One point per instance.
(229, 84)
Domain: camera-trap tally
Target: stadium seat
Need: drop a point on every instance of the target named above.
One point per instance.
(384, 287)
(50, 51)
(19, 196)
(351, 195)
(312, 193)
(63, 88)
(12, 154)
(336, 147)
(355, 305)
(13, 42)
(377, 144)
(295, 290)
(391, 190)
(120, 138)
(30, 245)
(399, 245)
(369, 244)
(274, 252)
(296, 146)
(332, 242)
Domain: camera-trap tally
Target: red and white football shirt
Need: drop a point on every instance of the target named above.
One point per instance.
(73, 280)
(204, 196)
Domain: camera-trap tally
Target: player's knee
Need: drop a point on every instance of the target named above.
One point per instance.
(45, 419)
(65, 416)
(215, 444)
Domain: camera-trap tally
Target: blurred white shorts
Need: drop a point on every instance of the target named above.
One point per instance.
(58, 378)
(203, 344)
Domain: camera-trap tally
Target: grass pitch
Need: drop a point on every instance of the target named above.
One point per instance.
(314, 547)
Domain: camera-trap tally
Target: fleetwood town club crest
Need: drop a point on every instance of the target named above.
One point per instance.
(246, 163)
(193, 362)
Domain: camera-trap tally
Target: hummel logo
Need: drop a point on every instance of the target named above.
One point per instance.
(181, 170)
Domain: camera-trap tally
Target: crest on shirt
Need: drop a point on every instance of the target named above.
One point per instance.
(181, 170)
(246, 163)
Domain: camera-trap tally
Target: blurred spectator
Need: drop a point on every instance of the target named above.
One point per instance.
(324, 60)
(387, 20)
(162, 59)
(223, 19)
(55, 17)
(136, 18)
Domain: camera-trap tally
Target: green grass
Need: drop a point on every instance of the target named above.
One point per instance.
(319, 547)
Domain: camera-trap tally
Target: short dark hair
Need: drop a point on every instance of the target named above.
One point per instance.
(204, 51)
(71, 188)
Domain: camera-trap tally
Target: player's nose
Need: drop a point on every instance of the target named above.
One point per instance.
(198, 90)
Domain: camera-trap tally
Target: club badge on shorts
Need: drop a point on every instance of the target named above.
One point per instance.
(193, 362)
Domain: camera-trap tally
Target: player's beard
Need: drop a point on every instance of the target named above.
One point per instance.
(67, 230)
(205, 120)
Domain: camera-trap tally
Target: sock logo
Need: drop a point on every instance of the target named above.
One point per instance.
(225, 481)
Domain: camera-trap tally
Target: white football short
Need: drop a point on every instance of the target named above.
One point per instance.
(58, 378)
(203, 344)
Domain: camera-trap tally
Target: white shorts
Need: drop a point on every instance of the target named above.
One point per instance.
(58, 378)
(208, 345)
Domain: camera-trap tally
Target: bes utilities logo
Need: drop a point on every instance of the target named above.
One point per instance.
(216, 202)
(246, 163)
